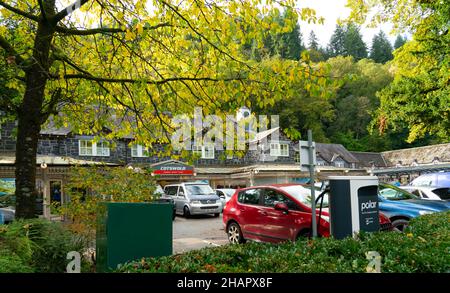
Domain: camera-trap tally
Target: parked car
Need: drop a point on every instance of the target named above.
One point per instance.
(274, 213)
(7, 215)
(225, 194)
(401, 206)
(194, 199)
(440, 179)
(429, 192)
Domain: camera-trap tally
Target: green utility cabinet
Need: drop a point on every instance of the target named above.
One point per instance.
(130, 231)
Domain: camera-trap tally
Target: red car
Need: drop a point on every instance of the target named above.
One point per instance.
(275, 213)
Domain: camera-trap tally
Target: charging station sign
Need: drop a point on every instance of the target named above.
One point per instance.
(368, 208)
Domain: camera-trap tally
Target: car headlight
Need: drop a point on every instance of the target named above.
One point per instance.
(425, 213)
(195, 202)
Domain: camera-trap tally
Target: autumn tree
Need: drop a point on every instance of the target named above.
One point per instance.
(123, 65)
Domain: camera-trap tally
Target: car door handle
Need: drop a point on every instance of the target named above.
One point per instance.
(264, 213)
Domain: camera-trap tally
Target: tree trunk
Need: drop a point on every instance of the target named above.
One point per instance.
(30, 118)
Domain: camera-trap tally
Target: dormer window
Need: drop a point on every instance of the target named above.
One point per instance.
(92, 148)
(279, 149)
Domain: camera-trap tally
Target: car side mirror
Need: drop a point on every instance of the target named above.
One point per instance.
(181, 193)
(281, 207)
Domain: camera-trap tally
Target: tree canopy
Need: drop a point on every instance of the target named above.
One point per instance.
(125, 65)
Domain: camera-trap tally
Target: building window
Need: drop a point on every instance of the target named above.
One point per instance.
(85, 148)
(205, 152)
(284, 150)
(139, 151)
(91, 148)
(197, 150)
(339, 164)
(297, 157)
(277, 149)
(208, 152)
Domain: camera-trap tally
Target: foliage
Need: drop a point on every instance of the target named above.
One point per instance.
(399, 41)
(89, 186)
(289, 44)
(305, 104)
(347, 41)
(419, 95)
(11, 263)
(354, 102)
(37, 245)
(336, 46)
(422, 248)
(381, 50)
(129, 66)
(354, 44)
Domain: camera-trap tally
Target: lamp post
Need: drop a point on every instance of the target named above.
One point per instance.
(46, 203)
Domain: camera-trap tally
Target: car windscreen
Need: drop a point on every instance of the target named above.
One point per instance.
(303, 195)
(228, 192)
(198, 189)
(391, 192)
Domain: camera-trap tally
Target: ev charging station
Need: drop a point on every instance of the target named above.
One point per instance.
(353, 205)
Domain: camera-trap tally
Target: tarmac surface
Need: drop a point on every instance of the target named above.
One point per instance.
(197, 232)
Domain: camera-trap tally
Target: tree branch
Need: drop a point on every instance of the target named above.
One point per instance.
(41, 6)
(20, 12)
(102, 30)
(69, 9)
(201, 35)
(154, 82)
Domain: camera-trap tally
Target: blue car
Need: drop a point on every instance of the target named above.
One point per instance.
(400, 206)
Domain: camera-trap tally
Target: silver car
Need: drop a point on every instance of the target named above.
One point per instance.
(194, 199)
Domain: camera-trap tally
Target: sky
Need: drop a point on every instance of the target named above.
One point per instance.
(332, 10)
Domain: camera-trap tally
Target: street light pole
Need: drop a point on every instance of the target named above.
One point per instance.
(311, 175)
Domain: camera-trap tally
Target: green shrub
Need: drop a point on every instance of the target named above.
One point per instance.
(40, 244)
(424, 247)
(12, 263)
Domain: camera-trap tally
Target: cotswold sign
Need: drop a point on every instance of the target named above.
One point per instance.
(172, 168)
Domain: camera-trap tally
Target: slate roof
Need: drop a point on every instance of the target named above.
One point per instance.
(331, 151)
(423, 155)
(366, 159)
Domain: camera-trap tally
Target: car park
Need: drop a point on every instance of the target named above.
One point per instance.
(192, 198)
(401, 206)
(274, 213)
(429, 192)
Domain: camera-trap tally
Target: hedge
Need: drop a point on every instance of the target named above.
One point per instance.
(423, 247)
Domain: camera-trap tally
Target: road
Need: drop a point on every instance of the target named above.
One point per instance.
(197, 232)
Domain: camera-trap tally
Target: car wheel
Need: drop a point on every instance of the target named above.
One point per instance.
(186, 212)
(216, 215)
(400, 225)
(304, 234)
(234, 234)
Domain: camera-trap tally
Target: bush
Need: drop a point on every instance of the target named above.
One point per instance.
(38, 244)
(12, 263)
(424, 247)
